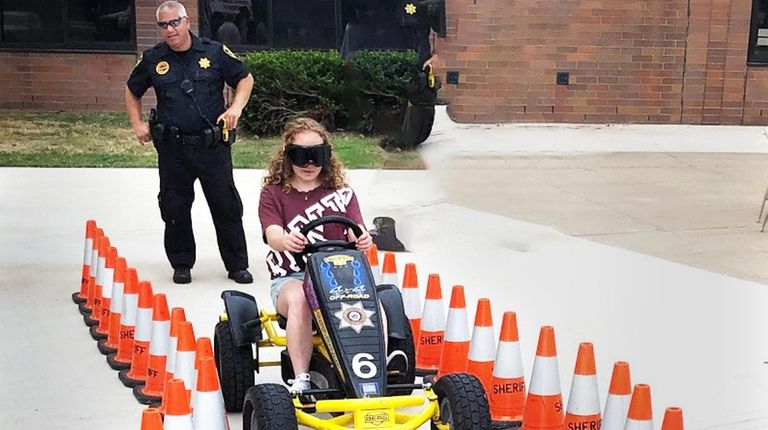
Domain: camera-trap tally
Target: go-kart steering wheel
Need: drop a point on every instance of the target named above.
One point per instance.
(315, 247)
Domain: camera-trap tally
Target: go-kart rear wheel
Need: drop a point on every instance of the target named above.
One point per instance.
(462, 401)
(268, 406)
(406, 366)
(235, 366)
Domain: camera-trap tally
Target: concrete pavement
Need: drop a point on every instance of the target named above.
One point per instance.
(695, 334)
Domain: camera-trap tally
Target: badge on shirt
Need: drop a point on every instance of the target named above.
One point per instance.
(162, 67)
(410, 8)
(229, 52)
(204, 63)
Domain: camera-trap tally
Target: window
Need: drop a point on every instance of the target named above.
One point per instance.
(67, 24)
(758, 33)
(281, 24)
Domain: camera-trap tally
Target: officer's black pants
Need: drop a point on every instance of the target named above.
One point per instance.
(179, 167)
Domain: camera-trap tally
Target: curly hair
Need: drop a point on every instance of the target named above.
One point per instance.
(280, 171)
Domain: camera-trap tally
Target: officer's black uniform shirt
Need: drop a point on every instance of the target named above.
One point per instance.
(207, 65)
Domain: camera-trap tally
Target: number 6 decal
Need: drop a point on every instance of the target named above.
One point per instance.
(363, 366)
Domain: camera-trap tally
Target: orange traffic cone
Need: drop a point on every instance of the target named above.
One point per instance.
(373, 260)
(177, 317)
(137, 374)
(109, 345)
(411, 299)
(121, 360)
(101, 331)
(544, 405)
(389, 270)
(100, 259)
(89, 281)
(151, 419)
(185, 356)
(640, 415)
(482, 349)
(203, 349)
(673, 419)
(152, 390)
(82, 295)
(583, 410)
(208, 404)
(507, 399)
(178, 415)
(453, 358)
(430, 340)
(619, 393)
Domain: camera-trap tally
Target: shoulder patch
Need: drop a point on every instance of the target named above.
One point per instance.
(139, 57)
(229, 52)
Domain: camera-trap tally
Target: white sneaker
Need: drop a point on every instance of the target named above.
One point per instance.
(301, 383)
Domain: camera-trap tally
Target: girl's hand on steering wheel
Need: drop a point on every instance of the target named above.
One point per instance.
(363, 242)
(294, 241)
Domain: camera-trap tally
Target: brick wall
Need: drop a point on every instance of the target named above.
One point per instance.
(642, 61)
(78, 81)
(648, 61)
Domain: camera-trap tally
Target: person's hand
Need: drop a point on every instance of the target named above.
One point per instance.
(432, 61)
(294, 241)
(231, 116)
(363, 242)
(141, 130)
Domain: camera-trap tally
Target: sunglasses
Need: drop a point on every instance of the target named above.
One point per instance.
(302, 156)
(173, 23)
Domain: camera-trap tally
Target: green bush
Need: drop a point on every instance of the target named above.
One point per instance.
(348, 96)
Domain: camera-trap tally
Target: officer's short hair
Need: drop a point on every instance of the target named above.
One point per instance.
(171, 5)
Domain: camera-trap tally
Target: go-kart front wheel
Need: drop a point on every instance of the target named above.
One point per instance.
(462, 401)
(235, 365)
(268, 406)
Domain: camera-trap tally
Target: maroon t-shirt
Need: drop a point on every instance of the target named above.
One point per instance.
(295, 209)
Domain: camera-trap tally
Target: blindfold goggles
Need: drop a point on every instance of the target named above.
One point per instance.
(302, 156)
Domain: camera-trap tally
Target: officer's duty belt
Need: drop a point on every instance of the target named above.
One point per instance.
(206, 137)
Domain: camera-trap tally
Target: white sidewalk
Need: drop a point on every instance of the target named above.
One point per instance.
(698, 338)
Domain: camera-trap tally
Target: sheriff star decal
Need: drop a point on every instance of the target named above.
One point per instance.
(204, 63)
(354, 316)
(410, 8)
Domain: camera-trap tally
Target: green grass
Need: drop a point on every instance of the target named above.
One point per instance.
(105, 139)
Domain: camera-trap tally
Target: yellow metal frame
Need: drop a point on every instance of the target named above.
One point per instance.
(366, 413)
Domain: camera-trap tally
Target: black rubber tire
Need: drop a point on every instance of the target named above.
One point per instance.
(408, 347)
(235, 367)
(268, 407)
(417, 125)
(462, 400)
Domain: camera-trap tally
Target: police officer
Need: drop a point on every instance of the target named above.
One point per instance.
(191, 133)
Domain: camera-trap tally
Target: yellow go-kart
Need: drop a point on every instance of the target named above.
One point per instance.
(356, 382)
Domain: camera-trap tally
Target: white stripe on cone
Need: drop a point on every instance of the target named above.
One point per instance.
(116, 305)
(508, 364)
(158, 346)
(170, 363)
(88, 252)
(130, 310)
(638, 425)
(143, 331)
(457, 327)
(389, 278)
(545, 380)
(376, 270)
(178, 422)
(411, 303)
(185, 368)
(93, 269)
(109, 277)
(482, 347)
(433, 318)
(208, 410)
(616, 410)
(584, 400)
(100, 266)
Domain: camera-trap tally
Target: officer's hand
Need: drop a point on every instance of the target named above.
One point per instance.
(294, 241)
(141, 131)
(432, 61)
(230, 115)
